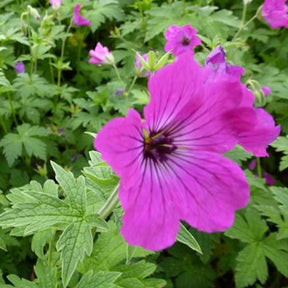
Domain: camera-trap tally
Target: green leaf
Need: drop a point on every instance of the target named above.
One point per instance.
(46, 275)
(33, 85)
(21, 283)
(185, 237)
(2, 241)
(35, 210)
(3, 80)
(74, 243)
(109, 250)
(251, 265)
(95, 221)
(277, 252)
(100, 280)
(102, 10)
(249, 228)
(74, 189)
(238, 154)
(39, 240)
(139, 270)
(281, 145)
(100, 176)
(278, 213)
(27, 137)
(164, 16)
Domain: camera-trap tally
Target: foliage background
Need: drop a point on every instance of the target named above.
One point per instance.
(51, 235)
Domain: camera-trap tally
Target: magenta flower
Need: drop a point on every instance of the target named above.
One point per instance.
(275, 13)
(171, 164)
(266, 90)
(253, 127)
(252, 165)
(181, 39)
(218, 66)
(55, 3)
(101, 55)
(78, 19)
(268, 178)
(19, 67)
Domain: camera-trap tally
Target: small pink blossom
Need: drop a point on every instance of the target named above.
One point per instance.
(55, 3)
(266, 90)
(268, 178)
(19, 67)
(252, 164)
(275, 13)
(181, 39)
(101, 55)
(78, 19)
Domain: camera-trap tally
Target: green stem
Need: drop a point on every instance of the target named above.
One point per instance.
(132, 84)
(242, 24)
(184, 7)
(51, 245)
(12, 108)
(51, 71)
(117, 73)
(62, 55)
(259, 169)
(3, 125)
(80, 45)
(30, 43)
(109, 205)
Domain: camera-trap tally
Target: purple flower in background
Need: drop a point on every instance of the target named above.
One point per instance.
(253, 127)
(55, 3)
(101, 55)
(75, 157)
(181, 39)
(266, 90)
(252, 164)
(19, 67)
(138, 63)
(268, 178)
(171, 164)
(275, 13)
(78, 19)
(217, 65)
(119, 92)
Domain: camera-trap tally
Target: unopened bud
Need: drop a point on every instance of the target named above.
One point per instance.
(33, 12)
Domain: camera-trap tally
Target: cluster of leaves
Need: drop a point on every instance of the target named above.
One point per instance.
(54, 234)
(63, 220)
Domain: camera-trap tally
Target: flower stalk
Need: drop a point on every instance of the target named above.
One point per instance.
(110, 204)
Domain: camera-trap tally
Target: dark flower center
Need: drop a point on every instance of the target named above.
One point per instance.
(158, 146)
(186, 41)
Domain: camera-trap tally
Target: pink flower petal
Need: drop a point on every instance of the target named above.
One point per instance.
(260, 135)
(121, 144)
(213, 187)
(275, 13)
(78, 19)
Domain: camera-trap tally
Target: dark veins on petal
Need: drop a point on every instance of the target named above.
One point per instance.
(157, 146)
